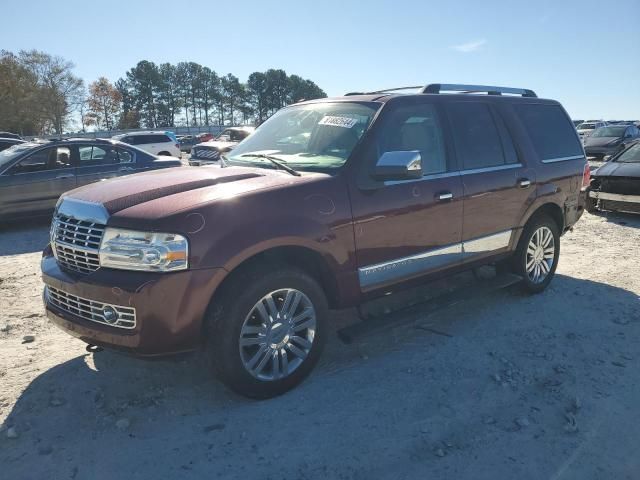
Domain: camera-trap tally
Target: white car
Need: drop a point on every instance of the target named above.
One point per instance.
(587, 128)
(154, 142)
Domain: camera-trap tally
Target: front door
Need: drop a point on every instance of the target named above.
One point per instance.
(406, 229)
(34, 184)
(498, 186)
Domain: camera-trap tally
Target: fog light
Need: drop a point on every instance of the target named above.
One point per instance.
(110, 315)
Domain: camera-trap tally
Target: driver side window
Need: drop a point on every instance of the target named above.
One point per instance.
(416, 127)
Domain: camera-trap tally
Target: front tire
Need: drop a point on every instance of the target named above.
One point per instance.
(536, 257)
(268, 331)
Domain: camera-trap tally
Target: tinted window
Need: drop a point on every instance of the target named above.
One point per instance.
(153, 139)
(475, 134)
(551, 132)
(415, 127)
(42, 160)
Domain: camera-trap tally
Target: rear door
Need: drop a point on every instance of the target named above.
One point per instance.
(408, 228)
(498, 186)
(35, 183)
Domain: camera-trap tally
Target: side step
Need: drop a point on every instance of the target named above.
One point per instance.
(379, 323)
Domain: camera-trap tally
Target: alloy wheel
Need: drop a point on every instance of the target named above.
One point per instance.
(540, 254)
(277, 335)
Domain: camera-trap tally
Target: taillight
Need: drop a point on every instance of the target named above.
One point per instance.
(586, 176)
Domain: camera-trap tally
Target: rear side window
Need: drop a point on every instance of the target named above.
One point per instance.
(157, 139)
(475, 133)
(551, 132)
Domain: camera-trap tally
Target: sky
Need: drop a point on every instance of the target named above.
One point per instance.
(586, 54)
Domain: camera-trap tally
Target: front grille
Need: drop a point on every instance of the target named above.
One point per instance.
(206, 153)
(76, 243)
(125, 317)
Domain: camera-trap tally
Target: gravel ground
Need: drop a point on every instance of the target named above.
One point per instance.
(507, 386)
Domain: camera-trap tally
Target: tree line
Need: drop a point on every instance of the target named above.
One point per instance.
(39, 94)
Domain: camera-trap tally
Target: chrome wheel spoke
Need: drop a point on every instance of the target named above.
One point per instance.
(263, 352)
(540, 254)
(303, 342)
(304, 325)
(271, 307)
(291, 302)
(248, 341)
(296, 351)
(284, 356)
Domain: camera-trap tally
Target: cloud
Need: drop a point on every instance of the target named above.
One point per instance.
(470, 46)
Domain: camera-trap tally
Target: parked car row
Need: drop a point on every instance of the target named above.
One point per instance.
(33, 175)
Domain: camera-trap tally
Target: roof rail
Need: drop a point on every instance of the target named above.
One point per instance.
(489, 90)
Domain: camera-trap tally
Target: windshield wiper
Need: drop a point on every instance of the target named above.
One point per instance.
(275, 160)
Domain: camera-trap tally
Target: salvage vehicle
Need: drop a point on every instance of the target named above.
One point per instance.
(209, 152)
(609, 140)
(615, 186)
(33, 175)
(331, 202)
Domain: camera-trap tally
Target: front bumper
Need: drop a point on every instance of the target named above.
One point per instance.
(618, 202)
(601, 151)
(169, 307)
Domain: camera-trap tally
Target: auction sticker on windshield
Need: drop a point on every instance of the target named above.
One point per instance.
(335, 121)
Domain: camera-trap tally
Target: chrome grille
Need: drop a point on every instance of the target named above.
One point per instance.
(76, 243)
(90, 309)
(206, 153)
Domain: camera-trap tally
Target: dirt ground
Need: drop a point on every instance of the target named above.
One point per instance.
(507, 386)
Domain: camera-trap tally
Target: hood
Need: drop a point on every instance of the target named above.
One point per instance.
(219, 145)
(592, 141)
(618, 169)
(160, 193)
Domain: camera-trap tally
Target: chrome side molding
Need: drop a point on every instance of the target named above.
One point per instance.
(406, 267)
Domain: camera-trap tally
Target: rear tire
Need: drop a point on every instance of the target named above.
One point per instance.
(536, 257)
(267, 332)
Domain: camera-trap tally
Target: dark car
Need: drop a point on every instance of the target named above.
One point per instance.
(329, 203)
(187, 142)
(616, 185)
(10, 135)
(33, 175)
(9, 142)
(209, 152)
(609, 140)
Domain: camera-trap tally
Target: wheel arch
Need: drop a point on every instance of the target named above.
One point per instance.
(311, 261)
(551, 209)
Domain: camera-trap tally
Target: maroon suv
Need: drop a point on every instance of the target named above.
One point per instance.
(329, 203)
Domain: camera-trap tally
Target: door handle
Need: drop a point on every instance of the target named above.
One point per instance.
(445, 196)
(63, 176)
(524, 182)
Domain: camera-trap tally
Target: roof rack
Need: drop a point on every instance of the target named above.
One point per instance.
(489, 90)
(451, 87)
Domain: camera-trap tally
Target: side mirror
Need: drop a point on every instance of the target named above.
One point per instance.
(400, 165)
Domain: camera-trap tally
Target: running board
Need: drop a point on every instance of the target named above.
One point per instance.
(382, 322)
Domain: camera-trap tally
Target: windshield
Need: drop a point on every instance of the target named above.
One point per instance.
(315, 137)
(586, 126)
(609, 132)
(630, 155)
(11, 153)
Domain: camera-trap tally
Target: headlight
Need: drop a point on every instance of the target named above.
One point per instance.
(147, 251)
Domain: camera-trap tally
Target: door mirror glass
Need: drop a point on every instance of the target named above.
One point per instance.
(399, 165)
